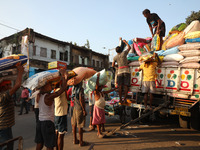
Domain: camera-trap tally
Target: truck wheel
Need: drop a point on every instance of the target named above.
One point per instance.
(122, 114)
(134, 113)
(195, 117)
(184, 122)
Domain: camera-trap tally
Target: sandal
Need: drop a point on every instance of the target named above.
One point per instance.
(84, 144)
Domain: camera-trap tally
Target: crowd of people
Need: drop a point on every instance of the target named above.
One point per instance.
(51, 104)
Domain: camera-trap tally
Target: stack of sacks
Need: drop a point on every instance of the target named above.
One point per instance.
(192, 37)
(171, 57)
(139, 46)
(191, 52)
(175, 37)
(179, 33)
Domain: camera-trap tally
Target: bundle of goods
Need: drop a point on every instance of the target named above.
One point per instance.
(40, 79)
(83, 73)
(8, 66)
(191, 52)
(155, 43)
(147, 57)
(91, 83)
(12, 61)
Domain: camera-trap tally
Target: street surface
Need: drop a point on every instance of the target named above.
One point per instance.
(162, 134)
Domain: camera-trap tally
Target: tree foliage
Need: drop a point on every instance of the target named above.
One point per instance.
(87, 45)
(194, 16)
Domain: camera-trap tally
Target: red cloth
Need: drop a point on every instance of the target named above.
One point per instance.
(3, 83)
(25, 93)
(69, 93)
(98, 116)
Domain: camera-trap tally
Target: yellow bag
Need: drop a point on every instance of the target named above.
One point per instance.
(155, 43)
(192, 35)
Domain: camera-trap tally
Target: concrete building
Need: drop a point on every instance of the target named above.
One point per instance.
(81, 56)
(44, 49)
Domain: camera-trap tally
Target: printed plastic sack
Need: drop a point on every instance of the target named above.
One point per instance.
(178, 28)
(167, 39)
(139, 50)
(131, 55)
(91, 84)
(11, 61)
(141, 40)
(82, 74)
(159, 52)
(173, 57)
(176, 41)
(146, 57)
(40, 79)
(192, 40)
(190, 59)
(133, 58)
(155, 43)
(173, 50)
(192, 35)
(189, 46)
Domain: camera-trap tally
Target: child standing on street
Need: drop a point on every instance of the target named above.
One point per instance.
(99, 112)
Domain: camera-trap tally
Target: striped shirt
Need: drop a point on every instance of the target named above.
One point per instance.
(7, 113)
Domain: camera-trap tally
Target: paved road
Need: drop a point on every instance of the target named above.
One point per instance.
(163, 134)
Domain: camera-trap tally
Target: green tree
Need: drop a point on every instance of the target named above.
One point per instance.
(87, 45)
(194, 16)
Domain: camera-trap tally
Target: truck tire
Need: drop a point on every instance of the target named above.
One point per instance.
(134, 113)
(195, 117)
(122, 114)
(184, 122)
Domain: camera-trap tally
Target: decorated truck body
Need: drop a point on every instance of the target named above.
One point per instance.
(181, 86)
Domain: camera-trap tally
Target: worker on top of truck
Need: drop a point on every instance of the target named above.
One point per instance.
(156, 23)
(148, 82)
(123, 74)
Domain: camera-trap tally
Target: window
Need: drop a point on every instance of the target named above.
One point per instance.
(64, 56)
(76, 59)
(101, 64)
(98, 64)
(34, 50)
(53, 54)
(61, 56)
(43, 52)
(93, 62)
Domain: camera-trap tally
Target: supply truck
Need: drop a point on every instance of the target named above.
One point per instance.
(180, 86)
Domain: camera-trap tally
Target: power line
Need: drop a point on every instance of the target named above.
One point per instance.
(9, 27)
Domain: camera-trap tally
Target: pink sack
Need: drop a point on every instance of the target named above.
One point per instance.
(82, 74)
